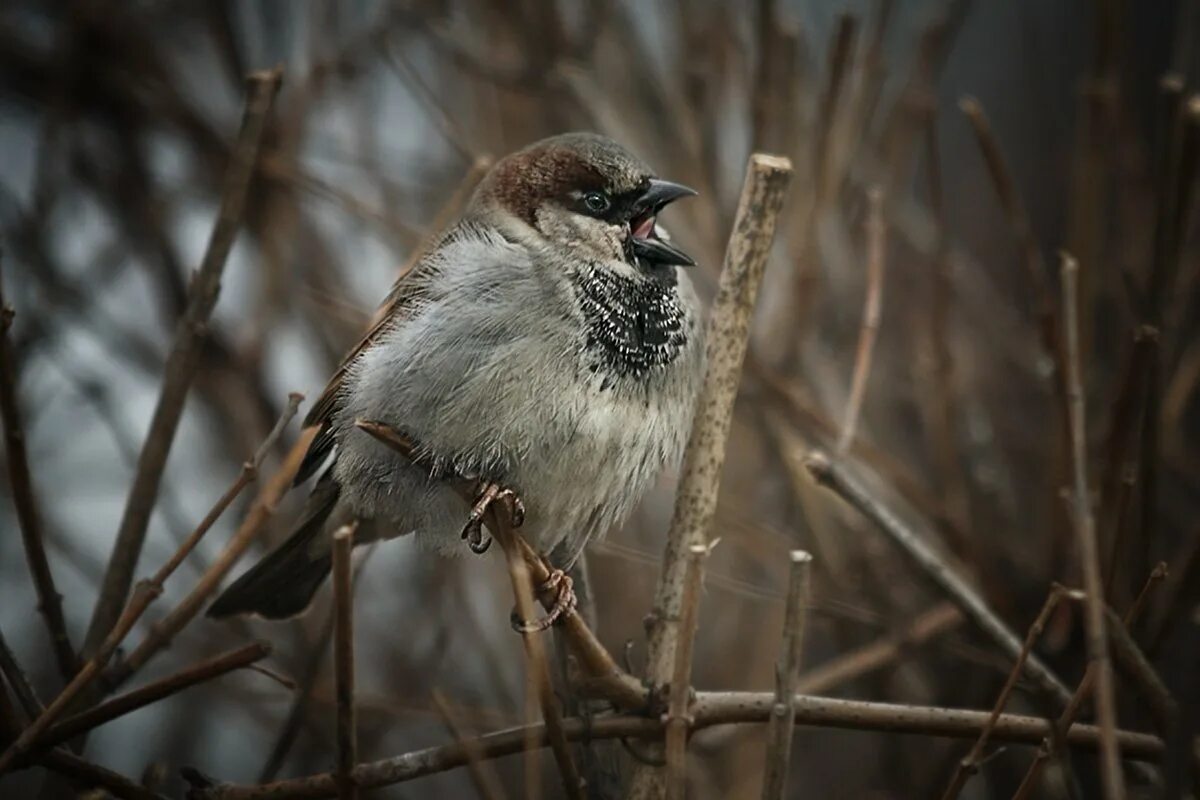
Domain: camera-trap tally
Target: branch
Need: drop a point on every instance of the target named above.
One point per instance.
(834, 476)
(163, 631)
(1089, 550)
(535, 657)
(145, 594)
(606, 679)
(129, 702)
(678, 721)
(1069, 714)
(343, 660)
(181, 364)
(25, 500)
(483, 773)
(969, 765)
(869, 330)
(762, 197)
(708, 709)
(787, 675)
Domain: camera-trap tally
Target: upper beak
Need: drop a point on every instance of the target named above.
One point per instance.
(652, 249)
(659, 193)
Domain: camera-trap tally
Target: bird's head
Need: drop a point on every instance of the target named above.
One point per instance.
(586, 193)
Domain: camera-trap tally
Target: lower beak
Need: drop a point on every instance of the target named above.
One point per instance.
(656, 251)
(650, 248)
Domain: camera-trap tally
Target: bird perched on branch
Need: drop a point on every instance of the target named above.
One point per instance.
(545, 349)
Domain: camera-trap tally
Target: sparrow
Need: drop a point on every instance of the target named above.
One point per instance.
(545, 348)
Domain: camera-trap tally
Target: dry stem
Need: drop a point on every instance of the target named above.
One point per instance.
(762, 196)
(1089, 551)
(708, 709)
(146, 593)
(24, 496)
(872, 306)
(181, 364)
(343, 660)
(678, 722)
(787, 675)
(836, 477)
(969, 765)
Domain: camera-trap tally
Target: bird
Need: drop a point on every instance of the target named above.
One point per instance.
(545, 350)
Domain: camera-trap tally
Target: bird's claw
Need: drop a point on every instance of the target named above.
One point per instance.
(561, 584)
(473, 532)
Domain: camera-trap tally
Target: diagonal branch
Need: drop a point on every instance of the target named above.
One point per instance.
(182, 363)
(146, 593)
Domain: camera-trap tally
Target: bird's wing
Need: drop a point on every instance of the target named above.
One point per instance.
(408, 290)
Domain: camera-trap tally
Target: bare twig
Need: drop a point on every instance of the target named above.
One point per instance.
(162, 632)
(766, 182)
(678, 722)
(181, 363)
(343, 661)
(872, 306)
(969, 765)
(483, 774)
(1133, 663)
(146, 593)
(10, 668)
(535, 652)
(782, 724)
(1089, 551)
(835, 476)
(1067, 718)
(129, 702)
(708, 709)
(25, 500)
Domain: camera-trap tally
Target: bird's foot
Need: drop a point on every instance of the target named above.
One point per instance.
(474, 535)
(561, 584)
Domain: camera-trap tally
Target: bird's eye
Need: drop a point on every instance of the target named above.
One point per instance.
(596, 202)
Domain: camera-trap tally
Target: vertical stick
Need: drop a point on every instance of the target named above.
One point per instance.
(343, 661)
(870, 319)
(1089, 551)
(767, 179)
(29, 518)
(787, 675)
(679, 721)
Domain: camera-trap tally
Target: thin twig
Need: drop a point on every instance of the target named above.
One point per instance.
(678, 722)
(708, 709)
(343, 660)
(535, 653)
(10, 668)
(872, 306)
(163, 631)
(766, 182)
(787, 675)
(25, 500)
(483, 773)
(182, 362)
(1049, 746)
(969, 765)
(835, 476)
(146, 593)
(129, 702)
(1089, 551)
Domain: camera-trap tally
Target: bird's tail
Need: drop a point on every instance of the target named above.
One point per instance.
(283, 583)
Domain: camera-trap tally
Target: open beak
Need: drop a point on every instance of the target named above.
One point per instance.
(643, 239)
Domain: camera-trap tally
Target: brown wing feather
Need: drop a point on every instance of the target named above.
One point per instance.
(408, 288)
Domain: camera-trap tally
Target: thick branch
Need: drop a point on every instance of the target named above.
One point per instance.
(708, 709)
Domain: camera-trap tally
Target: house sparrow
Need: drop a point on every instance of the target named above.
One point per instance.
(546, 346)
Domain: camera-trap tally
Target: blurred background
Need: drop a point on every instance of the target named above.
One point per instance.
(116, 127)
